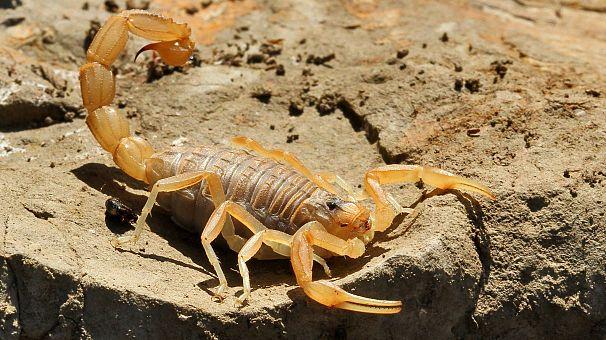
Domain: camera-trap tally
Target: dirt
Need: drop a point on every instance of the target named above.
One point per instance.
(509, 93)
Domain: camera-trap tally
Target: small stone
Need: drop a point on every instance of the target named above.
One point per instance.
(280, 70)
(191, 10)
(9, 22)
(255, 58)
(69, 116)
(401, 54)
(292, 138)
(271, 48)
(261, 93)
(295, 108)
(473, 85)
(458, 86)
(319, 60)
(111, 6)
(474, 132)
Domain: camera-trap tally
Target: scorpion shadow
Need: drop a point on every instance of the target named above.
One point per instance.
(112, 182)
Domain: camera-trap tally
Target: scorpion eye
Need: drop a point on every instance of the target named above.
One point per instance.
(332, 205)
(343, 225)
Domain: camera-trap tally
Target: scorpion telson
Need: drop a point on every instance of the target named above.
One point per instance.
(264, 203)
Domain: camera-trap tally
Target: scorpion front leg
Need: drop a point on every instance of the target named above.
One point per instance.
(313, 234)
(386, 207)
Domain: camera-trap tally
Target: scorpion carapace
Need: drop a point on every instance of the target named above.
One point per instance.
(249, 195)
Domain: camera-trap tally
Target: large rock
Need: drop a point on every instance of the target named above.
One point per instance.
(507, 93)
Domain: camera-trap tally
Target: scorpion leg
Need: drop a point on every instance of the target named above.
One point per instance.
(386, 205)
(274, 239)
(283, 156)
(277, 240)
(175, 183)
(313, 234)
(213, 228)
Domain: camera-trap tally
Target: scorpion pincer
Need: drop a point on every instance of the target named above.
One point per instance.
(274, 199)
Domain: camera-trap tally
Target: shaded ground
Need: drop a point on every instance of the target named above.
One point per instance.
(510, 93)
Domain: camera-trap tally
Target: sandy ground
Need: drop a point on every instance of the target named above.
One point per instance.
(510, 93)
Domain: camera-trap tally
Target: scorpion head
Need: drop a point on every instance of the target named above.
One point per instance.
(342, 218)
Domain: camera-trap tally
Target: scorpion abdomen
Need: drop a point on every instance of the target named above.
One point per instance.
(271, 191)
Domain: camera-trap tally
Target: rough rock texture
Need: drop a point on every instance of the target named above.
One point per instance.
(510, 93)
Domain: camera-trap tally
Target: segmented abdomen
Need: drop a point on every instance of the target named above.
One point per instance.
(270, 191)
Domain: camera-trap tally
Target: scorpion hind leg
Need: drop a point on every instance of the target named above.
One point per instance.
(174, 183)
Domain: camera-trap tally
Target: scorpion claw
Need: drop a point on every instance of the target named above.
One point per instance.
(331, 295)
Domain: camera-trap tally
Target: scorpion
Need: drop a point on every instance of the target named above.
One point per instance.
(263, 202)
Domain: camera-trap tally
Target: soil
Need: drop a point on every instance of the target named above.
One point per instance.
(509, 93)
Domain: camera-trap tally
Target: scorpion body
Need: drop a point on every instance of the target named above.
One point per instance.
(280, 207)
(272, 192)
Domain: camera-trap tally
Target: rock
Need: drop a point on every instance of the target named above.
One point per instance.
(528, 265)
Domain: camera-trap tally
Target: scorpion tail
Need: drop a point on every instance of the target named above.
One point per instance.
(109, 127)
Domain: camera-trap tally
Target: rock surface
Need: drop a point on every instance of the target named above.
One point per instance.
(510, 93)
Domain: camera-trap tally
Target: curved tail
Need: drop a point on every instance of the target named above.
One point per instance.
(109, 127)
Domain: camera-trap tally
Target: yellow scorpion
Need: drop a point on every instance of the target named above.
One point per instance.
(264, 203)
